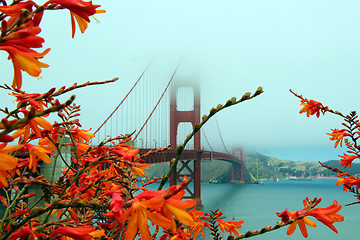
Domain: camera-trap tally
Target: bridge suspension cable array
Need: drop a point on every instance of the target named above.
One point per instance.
(222, 140)
(161, 97)
(145, 109)
(123, 99)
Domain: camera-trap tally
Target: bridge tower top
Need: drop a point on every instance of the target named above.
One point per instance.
(192, 116)
(238, 152)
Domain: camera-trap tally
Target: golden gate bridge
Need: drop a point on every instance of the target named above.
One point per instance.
(161, 110)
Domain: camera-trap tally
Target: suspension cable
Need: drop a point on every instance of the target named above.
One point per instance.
(222, 140)
(123, 99)
(162, 95)
(203, 132)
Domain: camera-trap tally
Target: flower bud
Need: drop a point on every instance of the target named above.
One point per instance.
(204, 118)
(212, 111)
(245, 96)
(258, 91)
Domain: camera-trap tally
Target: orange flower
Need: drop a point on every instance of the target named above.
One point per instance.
(18, 45)
(328, 215)
(79, 10)
(81, 136)
(175, 206)
(347, 160)
(37, 153)
(138, 214)
(7, 162)
(139, 169)
(14, 11)
(172, 205)
(28, 98)
(337, 135)
(22, 234)
(181, 234)
(77, 233)
(302, 222)
(32, 126)
(230, 226)
(53, 135)
(325, 215)
(198, 226)
(348, 181)
(124, 151)
(311, 107)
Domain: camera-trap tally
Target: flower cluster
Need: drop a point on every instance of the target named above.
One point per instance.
(98, 184)
(20, 29)
(327, 216)
(97, 194)
(351, 133)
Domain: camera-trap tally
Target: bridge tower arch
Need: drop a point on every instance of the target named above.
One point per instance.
(193, 117)
(238, 168)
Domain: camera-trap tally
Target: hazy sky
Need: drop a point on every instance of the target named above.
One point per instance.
(310, 46)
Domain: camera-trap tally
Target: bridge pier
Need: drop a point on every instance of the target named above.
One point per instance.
(193, 174)
(193, 117)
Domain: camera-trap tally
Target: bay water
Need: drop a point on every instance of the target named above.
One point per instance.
(257, 205)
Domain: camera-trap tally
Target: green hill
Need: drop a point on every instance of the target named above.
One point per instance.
(261, 166)
(270, 167)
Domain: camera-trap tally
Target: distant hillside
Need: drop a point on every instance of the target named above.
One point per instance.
(269, 167)
(264, 167)
(210, 169)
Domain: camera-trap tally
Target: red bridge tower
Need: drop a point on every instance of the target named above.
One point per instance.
(192, 116)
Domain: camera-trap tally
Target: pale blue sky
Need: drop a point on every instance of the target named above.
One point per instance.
(309, 46)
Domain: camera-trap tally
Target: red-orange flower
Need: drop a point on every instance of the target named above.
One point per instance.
(337, 135)
(37, 153)
(124, 151)
(138, 214)
(22, 234)
(139, 169)
(198, 226)
(29, 98)
(347, 160)
(348, 181)
(14, 11)
(116, 204)
(6, 138)
(230, 226)
(181, 234)
(32, 126)
(48, 144)
(81, 136)
(302, 222)
(77, 233)
(173, 204)
(18, 45)
(285, 216)
(328, 215)
(311, 107)
(7, 162)
(79, 10)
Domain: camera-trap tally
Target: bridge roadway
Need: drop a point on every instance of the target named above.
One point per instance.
(169, 154)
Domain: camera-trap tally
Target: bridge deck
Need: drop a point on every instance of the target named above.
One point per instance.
(168, 155)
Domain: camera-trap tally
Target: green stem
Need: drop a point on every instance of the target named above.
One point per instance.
(57, 155)
(8, 209)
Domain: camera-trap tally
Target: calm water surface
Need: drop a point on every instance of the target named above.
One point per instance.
(257, 206)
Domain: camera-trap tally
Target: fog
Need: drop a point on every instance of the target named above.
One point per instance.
(235, 46)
